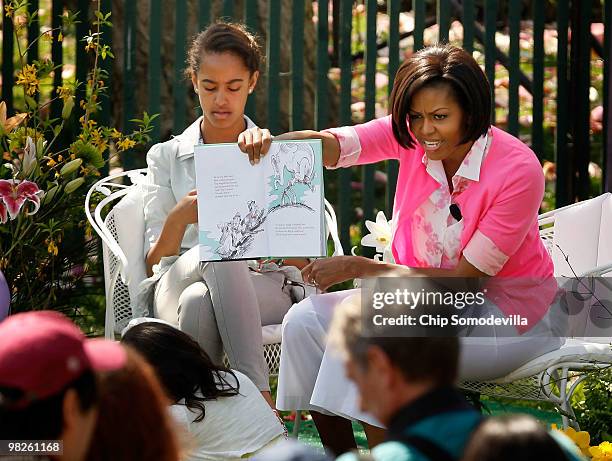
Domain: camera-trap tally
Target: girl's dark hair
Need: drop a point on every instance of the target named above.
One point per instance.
(438, 65)
(224, 37)
(512, 437)
(182, 366)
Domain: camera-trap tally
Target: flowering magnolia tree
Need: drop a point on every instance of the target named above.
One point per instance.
(45, 242)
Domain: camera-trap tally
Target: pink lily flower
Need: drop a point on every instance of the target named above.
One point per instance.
(14, 194)
(3, 213)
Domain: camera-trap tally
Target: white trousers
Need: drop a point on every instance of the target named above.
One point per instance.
(312, 374)
(223, 307)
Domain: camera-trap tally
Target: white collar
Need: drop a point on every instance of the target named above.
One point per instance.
(470, 166)
(189, 138)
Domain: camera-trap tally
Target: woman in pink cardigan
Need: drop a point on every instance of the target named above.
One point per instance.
(466, 205)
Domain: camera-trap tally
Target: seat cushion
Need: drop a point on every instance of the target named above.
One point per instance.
(604, 253)
(574, 350)
(271, 334)
(582, 232)
(577, 234)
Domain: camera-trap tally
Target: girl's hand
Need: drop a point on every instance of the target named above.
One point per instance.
(324, 273)
(186, 210)
(255, 142)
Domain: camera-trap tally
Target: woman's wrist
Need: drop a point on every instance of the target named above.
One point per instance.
(372, 268)
(362, 267)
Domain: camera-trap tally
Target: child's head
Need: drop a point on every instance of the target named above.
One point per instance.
(183, 367)
(512, 437)
(133, 422)
(223, 64)
(48, 384)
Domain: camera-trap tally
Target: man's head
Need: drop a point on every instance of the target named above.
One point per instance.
(47, 380)
(391, 371)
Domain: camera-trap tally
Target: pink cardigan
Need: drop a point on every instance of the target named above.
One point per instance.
(503, 204)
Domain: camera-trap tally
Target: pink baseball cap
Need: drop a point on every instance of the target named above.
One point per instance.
(42, 352)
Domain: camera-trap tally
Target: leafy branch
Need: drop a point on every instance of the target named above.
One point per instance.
(46, 247)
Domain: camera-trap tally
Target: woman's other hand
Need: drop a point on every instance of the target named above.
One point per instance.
(326, 272)
(255, 142)
(186, 210)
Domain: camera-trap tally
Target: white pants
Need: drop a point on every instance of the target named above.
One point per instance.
(223, 307)
(312, 374)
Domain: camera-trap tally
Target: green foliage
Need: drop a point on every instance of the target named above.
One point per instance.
(46, 246)
(593, 406)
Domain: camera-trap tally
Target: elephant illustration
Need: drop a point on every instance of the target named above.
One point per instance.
(299, 160)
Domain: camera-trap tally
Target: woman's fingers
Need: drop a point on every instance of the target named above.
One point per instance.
(266, 142)
(245, 143)
(255, 142)
(325, 278)
(316, 274)
(306, 272)
(326, 272)
(323, 286)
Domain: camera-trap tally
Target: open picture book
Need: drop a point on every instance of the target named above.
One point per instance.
(274, 209)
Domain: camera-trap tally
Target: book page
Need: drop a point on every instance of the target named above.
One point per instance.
(272, 209)
(295, 223)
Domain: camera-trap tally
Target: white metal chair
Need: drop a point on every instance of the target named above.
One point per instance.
(121, 260)
(580, 231)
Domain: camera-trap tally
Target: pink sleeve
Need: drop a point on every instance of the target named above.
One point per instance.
(369, 142)
(484, 255)
(515, 211)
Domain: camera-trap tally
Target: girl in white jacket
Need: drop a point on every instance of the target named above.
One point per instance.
(221, 305)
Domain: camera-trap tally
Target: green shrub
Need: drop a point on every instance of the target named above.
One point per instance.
(593, 406)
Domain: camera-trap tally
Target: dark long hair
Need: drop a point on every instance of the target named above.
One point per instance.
(185, 370)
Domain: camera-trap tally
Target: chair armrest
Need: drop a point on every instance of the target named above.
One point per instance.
(332, 227)
(114, 191)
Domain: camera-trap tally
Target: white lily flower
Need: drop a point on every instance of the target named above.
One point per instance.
(380, 233)
(29, 157)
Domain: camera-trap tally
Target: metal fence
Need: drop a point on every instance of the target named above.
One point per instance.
(334, 40)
